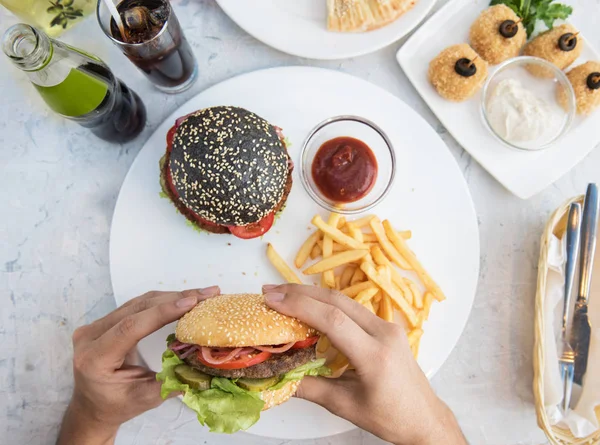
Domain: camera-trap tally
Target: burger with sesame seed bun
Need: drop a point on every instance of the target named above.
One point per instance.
(232, 356)
(227, 170)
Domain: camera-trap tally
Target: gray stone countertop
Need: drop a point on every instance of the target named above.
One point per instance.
(59, 186)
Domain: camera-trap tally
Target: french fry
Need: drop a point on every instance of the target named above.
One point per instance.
(336, 234)
(372, 238)
(324, 284)
(316, 252)
(336, 248)
(366, 295)
(337, 282)
(385, 272)
(355, 232)
(386, 245)
(286, 272)
(327, 247)
(408, 294)
(358, 277)
(353, 291)
(414, 336)
(415, 349)
(376, 305)
(417, 294)
(386, 311)
(392, 291)
(334, 261)
(369, 306)
(378, 296)
(341, 222)
(347, 276)
(414, 262)
(420, 319)
(369, 238)
(406, 234)
(397, 279)
(362, 222)
(427, 304)
(306, 249)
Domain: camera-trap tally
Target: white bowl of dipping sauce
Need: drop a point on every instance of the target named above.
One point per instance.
(521, 109)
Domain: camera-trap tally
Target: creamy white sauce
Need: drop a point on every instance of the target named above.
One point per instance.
(516, 114)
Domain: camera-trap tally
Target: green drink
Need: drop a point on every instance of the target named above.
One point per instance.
(77, 95)
(76, 85)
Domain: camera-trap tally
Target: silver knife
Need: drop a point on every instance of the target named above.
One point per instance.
(581, 331)
(566, 360)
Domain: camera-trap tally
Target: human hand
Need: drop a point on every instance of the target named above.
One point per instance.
(387, 394)
(109, 388)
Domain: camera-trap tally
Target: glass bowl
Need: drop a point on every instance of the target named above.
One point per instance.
(544, 86)
(361, 129)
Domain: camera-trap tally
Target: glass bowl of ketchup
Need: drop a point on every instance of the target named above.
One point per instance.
(347, 164)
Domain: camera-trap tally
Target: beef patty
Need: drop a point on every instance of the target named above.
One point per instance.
(275, 365)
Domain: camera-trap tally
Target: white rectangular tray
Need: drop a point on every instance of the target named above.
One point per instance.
(523, 173)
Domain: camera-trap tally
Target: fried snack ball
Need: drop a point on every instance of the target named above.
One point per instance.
(588, 99)
(547, 46)
(445, 78)
(487, 39)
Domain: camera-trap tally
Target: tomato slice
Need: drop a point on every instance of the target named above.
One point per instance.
(244, 362)
(306, 343)
(170, 136)
(253, 230)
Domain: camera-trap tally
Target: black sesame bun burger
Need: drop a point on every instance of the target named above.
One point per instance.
(233, 357)
(227, 170)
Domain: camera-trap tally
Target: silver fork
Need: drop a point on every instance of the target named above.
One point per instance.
(566, 361)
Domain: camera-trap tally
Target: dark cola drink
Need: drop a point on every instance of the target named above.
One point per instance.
(152, 39)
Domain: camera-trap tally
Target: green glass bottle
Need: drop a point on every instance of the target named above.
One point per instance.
(75, 84)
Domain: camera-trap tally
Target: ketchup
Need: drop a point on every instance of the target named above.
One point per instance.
(344, 169)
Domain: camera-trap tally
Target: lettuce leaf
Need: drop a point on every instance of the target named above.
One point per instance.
(314, 368)
(225, 407)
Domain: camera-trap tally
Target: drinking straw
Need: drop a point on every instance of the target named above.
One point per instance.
(113, 11)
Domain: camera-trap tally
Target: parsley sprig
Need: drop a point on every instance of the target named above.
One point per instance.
(531, 11)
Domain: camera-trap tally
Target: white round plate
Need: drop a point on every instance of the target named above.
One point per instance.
(152, 247)
(299, 27)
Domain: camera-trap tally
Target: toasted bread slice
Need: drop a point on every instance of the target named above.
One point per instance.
(387, 11)
(349, 15)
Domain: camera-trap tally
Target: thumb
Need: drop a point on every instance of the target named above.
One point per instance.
(151, 394)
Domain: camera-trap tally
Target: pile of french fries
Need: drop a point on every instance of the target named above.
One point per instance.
(369, 261)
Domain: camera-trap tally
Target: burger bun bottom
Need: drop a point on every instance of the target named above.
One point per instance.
(279, 396)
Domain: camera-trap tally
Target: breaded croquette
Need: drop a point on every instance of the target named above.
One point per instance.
(561, 46)
(585, 80)
(497, 34)
(458, 72)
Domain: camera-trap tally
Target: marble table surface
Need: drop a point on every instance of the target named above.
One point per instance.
(59, 185)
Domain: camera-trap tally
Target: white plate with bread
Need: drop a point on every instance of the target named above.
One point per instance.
(327, 29)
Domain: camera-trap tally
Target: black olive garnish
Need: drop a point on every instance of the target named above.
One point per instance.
(567, 42)
(509, 28)
(465, 67)
(593, 81)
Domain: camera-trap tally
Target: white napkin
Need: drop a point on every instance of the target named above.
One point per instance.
(582, 420)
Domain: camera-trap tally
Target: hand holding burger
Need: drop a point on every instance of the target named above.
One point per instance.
(386, 394)
(109, 387)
